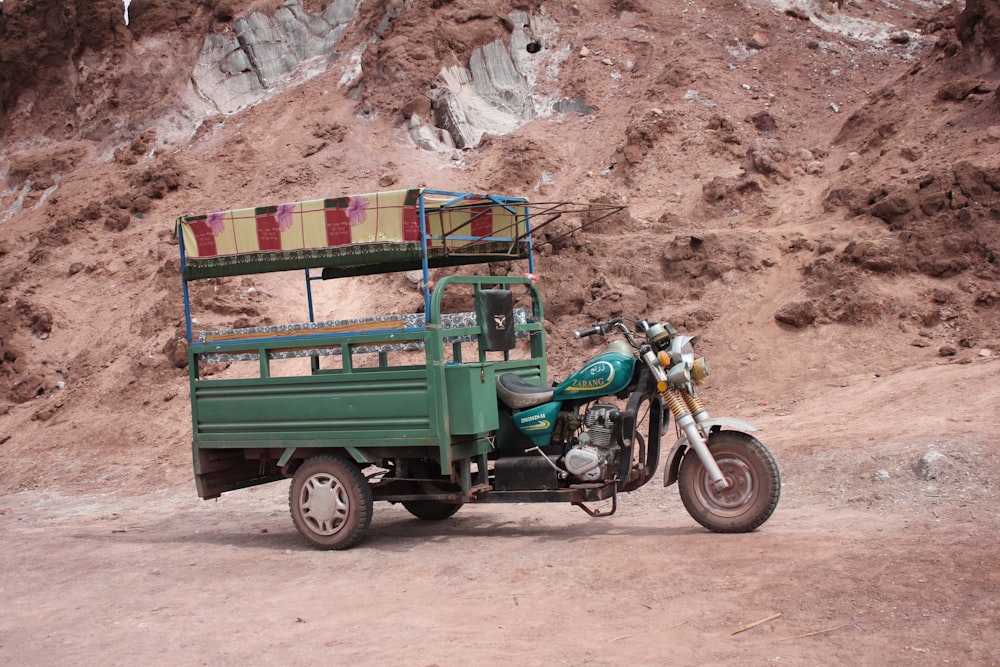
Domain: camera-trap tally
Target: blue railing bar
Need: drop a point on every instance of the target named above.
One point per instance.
(450, 237)
(187, 297)
(497, 201)
(456, 200)
(460, 197)
(243, 343)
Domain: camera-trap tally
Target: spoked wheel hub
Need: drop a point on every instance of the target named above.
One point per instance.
(331, 502)
(738, 491)
(325, 503)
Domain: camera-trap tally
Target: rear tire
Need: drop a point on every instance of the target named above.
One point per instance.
(755, 484)
(330, 502)
(431, 510)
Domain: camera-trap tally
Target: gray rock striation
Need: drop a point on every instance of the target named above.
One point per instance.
(246, 64)
(495, 94)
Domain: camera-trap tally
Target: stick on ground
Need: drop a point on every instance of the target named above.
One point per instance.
(755, 624)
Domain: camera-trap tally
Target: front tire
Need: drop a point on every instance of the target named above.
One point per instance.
(755, 484)
(330, 502)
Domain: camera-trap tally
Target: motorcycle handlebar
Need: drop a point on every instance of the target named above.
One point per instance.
(590, 331)
(603, 328)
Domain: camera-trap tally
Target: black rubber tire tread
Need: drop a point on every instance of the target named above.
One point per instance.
(745, 453)
(431, 510)
(359, 501)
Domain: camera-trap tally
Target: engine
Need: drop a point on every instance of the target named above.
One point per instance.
(593, 454)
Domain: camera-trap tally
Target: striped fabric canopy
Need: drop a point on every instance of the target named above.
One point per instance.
(352, 235)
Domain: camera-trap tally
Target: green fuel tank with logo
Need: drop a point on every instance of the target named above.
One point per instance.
(607, 373)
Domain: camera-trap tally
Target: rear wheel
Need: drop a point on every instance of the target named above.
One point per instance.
(754, 484)
(330, 502)
(431, 481)
(431, 510)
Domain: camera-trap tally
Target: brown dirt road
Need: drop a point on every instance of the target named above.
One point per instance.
(864, 562)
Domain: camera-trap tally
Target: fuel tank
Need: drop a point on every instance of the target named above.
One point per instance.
(606, 373)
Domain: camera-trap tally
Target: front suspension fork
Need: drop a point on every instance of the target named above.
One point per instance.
(688, 411)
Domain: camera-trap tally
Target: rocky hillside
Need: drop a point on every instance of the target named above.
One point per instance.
(819, 177)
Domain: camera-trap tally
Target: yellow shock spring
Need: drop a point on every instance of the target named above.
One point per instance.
(693, 403)
(676, 403)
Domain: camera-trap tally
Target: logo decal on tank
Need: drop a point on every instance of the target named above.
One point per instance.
(600, 375)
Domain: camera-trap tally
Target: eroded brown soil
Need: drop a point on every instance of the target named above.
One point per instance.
(823, 209)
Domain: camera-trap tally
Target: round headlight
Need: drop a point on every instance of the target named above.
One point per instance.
(699, 371)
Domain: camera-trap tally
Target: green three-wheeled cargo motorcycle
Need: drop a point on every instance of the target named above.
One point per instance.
(451, 405)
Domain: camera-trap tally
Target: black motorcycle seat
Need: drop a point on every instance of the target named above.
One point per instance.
(518, 393)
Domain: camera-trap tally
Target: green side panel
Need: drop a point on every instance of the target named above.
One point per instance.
(530, 370)
(472, 398)
(332, 410)
(538, 422)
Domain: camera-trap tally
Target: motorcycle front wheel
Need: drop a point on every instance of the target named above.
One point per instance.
(754, 484)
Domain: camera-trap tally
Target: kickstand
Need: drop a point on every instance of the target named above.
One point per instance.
(599, 513)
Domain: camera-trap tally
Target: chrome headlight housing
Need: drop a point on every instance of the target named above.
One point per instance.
(680, 364)
(682, 350)
(680, 358)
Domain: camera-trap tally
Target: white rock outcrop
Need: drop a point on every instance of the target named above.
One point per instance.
(247, 63)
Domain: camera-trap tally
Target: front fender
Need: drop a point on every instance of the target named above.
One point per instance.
(708, 426)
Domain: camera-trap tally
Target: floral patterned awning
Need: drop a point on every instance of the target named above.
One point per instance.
(358, 234)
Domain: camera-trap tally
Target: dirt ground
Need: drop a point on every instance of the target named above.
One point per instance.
(867, 560)
(815, 190)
